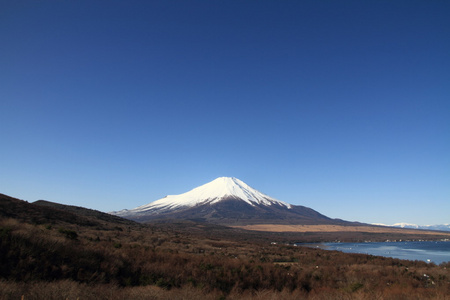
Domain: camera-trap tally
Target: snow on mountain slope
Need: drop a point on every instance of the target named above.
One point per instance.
(212, 192)
(406, 225)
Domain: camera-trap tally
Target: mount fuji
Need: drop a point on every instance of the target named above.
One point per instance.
(226, 200)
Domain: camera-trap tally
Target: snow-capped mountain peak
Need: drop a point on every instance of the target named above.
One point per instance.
(209, 193)
(225, 201)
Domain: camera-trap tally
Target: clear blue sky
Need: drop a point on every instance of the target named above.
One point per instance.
(341, 106)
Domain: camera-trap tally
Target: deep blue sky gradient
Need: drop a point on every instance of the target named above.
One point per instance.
(341, 106)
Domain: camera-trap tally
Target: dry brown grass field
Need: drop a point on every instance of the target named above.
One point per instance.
(51, 254)
(338, 228)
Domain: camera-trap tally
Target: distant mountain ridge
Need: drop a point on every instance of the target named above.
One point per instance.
(439, 227)
(226, 200)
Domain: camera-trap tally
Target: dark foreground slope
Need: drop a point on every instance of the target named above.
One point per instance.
(70, 256)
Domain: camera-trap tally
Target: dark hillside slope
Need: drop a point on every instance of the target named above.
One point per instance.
(84, 212)
(22, 210)
(44, 212)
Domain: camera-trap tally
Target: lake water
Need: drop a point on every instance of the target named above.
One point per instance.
(436, 252)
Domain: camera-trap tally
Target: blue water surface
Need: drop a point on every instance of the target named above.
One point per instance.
(429, 251)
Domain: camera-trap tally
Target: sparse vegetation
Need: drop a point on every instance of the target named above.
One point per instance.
(192, 261)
